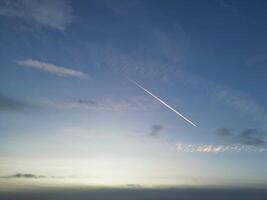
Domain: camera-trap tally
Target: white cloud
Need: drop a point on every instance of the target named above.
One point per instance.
(205, 148)
(55, 14)
(51, 68)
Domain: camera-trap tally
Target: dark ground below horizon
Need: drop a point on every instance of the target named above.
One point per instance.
(140, 194)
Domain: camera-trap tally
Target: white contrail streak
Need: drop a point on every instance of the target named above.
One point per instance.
(161, 101)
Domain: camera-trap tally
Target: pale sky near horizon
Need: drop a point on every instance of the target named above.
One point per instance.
(69, 112)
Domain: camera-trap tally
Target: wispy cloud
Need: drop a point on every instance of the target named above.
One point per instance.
(52, 68)
(54, 14)
(112, 105)
(98, 106)
(8, 104)
(248, 136)
(206, 148)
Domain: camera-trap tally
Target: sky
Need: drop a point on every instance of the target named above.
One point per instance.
(76, 79)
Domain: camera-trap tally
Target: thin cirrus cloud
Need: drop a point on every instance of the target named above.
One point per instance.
(111, 105)
(206, 148)
(52, 68)
(53, 14)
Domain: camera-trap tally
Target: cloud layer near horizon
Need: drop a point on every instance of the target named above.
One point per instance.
(21, 175)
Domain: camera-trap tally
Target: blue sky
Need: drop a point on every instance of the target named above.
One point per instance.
(66, 101)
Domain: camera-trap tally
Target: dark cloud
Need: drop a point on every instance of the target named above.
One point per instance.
(87, 102)
(8, 104)
(225, 131)
(249, 136)
(33, 176)
(20, 175)
(155, 130)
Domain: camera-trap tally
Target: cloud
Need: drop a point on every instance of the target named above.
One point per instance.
(207, 148)
(20, 175)
(251, 137)
(247, 136)
(32, 176)
(155, 130)
(87, 102)
(49, 13)
(98, 106)
(112, 105)
(53, 69)
(8, 104)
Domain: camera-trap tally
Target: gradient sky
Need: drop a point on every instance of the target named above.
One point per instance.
(68, 110)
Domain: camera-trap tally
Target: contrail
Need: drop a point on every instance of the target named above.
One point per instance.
(161, 101)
